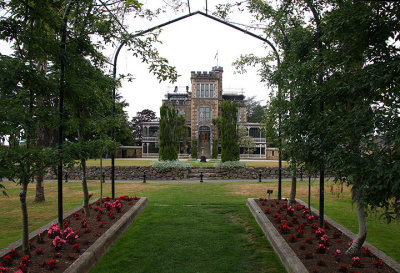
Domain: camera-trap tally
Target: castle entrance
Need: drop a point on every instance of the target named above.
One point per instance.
(204, 141)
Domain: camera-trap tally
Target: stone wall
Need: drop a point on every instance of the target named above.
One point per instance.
(209, 173)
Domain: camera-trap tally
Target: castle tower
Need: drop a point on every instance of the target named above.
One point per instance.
(205, 105)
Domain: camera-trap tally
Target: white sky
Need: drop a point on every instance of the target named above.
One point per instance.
(189, 45)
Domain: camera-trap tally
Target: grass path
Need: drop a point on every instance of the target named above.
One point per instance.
(198, 228)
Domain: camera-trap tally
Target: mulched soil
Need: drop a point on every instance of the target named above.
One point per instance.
(299, 229)
(44, 256)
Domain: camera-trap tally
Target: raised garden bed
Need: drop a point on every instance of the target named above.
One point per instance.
(303, 247)
(77, 245)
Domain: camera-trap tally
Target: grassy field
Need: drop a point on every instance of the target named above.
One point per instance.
(147, 162)
(205, 226)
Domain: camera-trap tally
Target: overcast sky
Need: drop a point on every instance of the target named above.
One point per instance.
(191, 45)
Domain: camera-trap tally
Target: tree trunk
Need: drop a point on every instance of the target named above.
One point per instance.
(24, 210)
(354, 249)
(39, 197)
(292, 197)
(85, 189)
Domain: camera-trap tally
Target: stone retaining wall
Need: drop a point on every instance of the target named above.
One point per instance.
(210, 173)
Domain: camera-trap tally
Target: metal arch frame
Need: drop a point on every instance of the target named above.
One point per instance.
(168, 23)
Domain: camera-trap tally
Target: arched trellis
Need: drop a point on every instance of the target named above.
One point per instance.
(171, 22)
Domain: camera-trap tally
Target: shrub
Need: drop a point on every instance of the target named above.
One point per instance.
(194, 148)
(214, 153)
(166, 165)
(230, 164)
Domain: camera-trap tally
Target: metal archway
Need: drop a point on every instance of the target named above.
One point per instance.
(171, 22)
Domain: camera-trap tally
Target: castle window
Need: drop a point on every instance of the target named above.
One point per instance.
(205, 112)
(204, 90)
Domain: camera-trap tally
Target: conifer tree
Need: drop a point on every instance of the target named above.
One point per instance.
(194, 148)
(229, 135)
(167, 138)
(214, 153)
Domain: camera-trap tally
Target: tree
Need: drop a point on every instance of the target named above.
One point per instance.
(214, 152)
(34, 30)
(194, 148)
(181, 133)
(271, 122)
(255, 112)
(123, 133)
(167, 138)
(340, 84)
(245, 140)
(22, 86)
(136, 124)
(217, 123)
(229, 137)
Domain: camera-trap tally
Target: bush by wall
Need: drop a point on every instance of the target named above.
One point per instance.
(166, 165)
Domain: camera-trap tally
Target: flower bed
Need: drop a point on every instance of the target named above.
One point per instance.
(315, 249)
(54, 249)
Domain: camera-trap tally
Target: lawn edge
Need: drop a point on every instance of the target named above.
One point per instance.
(18, 243)
(287, 256)
(283, 250)
(96, 251)
(379, 253)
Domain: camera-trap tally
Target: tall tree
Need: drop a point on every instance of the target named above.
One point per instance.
(245, 141)
(167, 135)
(255, 111)
(136, 124)
(271, 122)
(34, 29)
(123, 133)
(338, 107)
(181, 133)
(229, 136)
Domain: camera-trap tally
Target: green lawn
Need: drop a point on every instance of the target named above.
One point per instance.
(191, 227)
(147, 162)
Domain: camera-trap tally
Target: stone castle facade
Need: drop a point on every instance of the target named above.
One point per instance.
(200, 104)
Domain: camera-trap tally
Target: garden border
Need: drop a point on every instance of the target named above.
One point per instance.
(94, 253)
(288, 258)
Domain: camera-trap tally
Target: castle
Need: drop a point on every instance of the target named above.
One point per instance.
(199, 104)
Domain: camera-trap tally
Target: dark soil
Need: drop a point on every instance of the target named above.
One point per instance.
(64, 257)
(306, 242)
